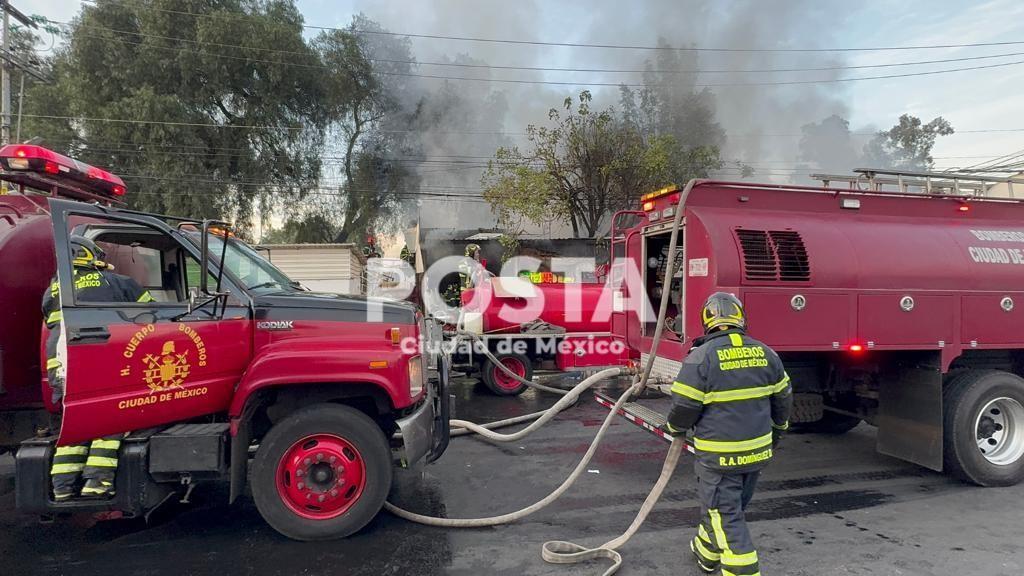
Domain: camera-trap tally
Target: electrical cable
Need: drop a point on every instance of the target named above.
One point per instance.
(506, 67)
(585, 45)
(267, 127)
(608, 84)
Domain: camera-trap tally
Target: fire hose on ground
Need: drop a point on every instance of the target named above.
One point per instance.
(561, 552)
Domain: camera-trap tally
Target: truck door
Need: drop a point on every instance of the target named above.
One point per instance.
(136, 365)
(624, 224)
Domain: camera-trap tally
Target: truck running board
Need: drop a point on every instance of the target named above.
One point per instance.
(640, 415)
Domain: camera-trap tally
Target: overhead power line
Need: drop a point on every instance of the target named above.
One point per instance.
(270, 127)
(598, 45)
(601, 84)
(541, 68)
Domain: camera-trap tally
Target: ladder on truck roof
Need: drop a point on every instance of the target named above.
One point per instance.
(951, 183)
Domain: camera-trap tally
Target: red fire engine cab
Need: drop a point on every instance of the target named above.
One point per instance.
(232, 363)
(899, 309)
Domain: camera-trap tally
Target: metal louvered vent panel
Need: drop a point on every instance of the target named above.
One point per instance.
(758, 257)
(794, 265)
(772, 256)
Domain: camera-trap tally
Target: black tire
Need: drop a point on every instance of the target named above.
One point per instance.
(342, 421)
(830, 423)
(965, 395)
(494, 377)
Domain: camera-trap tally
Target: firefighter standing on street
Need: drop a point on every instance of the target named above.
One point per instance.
(734, 392)
(96, 462)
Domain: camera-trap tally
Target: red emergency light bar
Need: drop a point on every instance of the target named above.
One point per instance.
(29, 158)
(658, 193)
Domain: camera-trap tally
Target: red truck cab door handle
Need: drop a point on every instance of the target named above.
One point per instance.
(89, 334)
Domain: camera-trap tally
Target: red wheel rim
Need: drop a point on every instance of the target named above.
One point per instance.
(321, 476)
(503, 380)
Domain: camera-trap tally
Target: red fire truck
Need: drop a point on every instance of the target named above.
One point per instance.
(528, 324)
(897, 309)
(233, 363)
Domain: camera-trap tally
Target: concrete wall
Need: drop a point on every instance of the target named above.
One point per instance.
(320, 267)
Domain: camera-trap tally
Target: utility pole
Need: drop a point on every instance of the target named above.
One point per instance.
(8, 64)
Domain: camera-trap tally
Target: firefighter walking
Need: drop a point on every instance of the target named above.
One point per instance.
(94, 463)
(734, 392)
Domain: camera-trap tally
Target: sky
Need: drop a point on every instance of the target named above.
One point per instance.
(981, 99)
(970, 100)
(762, 123)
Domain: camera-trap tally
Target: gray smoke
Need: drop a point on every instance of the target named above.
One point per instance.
(763, 124)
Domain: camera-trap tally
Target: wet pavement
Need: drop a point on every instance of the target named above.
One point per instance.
(827, 505)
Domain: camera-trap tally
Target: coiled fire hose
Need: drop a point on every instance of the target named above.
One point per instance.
(557, 551)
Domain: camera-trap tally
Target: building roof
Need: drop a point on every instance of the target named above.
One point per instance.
(348, 245)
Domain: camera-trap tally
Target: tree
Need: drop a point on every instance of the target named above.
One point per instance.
(369, 73)
(828, 145)
(907, 145)
(314, 228)
(520, 194)
(581, 170)
(202, 120)
(670, 105)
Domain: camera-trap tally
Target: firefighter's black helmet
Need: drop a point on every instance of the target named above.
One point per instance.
(722, 310)
(86, 253)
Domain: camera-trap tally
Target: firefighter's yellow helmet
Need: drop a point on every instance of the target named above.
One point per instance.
(85, 253)
(722, 310)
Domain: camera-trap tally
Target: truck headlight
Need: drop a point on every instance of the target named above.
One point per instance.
(417, 379)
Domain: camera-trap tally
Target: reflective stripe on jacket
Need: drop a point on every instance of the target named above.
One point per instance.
(733, 390)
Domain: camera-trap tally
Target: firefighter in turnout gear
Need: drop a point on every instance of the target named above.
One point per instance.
(468, 272)
(94, 463)
(734, 392)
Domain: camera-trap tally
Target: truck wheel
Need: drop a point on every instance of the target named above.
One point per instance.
(983, 428)
(501, 383)
(830, 423)
(322, 473)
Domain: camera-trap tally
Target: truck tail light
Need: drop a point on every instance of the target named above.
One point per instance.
(856, 348)
(964, 208)
(417, 378)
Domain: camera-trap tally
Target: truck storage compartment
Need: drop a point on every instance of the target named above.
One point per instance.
(190, 448)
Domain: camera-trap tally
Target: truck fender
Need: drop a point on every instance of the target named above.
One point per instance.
(309, 362)
(241, 432)
(304, 362)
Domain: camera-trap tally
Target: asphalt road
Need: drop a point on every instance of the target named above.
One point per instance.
(827, 505)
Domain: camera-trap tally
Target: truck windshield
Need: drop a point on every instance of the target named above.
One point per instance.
(256, 273)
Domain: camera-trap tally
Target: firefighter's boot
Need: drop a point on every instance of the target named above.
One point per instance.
(97, 488)
(66, 472)
(101, 467)
(702, 562)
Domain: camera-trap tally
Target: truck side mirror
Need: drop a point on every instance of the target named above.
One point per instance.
(204, 295)
(208, 228)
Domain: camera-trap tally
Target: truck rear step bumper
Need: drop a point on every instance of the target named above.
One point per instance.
(640, 415)
(135, 492)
